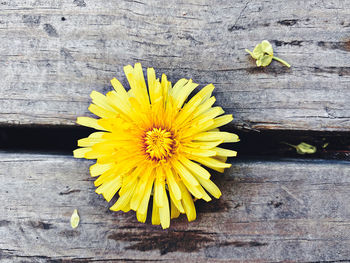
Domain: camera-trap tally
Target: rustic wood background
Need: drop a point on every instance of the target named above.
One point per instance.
(269, 212)
(54, 53)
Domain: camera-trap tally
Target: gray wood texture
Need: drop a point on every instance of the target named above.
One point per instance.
(284, 211)
(54, 53)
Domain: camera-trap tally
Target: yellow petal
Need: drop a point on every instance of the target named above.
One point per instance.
(184, 173)
(210, 187)
(155, 214)
(213, 136)
(192, 105)
(176, 202)
(187, 202)
(166, 87)
(101, 100)
(74, 220)
(210, 114)
(140, 190)
(205, 145)
(106, 176)
(123, 200)
(193, 189)
(164, 212)
(101, 112)
(174, 211)
(98, 169)
(121, 106)
(141, 217)
(173, 184)
(118, 87)
(178, 86)
(195, 168)
(204, 107)
(142, 209)
(180, 93)
(198, 152)
(154, 87)
(129, 181)
(224, 152)
(86, 142)
(80, 153)
(204, 194)
(222, 120)
(212, 163)
(126, 208)
(109, 189)
(137, 83)
(159, 191)
(89, 122)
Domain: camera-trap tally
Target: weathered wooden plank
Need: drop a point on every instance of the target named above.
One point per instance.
(54, 53)
(269, 212)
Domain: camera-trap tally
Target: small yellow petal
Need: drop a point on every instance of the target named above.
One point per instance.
(74, 220)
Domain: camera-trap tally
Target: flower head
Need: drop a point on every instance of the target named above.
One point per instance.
(151, 141)
(263, 53)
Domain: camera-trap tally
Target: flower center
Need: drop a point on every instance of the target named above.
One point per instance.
(159, 143)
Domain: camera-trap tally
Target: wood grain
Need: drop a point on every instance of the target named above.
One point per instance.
(285, 211)
(54, 53)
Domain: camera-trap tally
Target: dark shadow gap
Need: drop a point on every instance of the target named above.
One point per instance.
(253, 145)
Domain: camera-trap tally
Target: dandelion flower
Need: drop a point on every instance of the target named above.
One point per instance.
(152, 141)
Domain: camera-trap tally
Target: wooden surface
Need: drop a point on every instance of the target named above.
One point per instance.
(269, 212)
(54, 53)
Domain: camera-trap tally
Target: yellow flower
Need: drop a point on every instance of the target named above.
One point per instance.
(152, 142)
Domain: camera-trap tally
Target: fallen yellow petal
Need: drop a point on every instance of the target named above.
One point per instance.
(74, 220)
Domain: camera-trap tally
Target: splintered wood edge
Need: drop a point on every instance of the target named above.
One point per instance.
(269, 211)
(55, 53)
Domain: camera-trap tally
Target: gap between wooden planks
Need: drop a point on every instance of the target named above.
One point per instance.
(269, 211)
(54, 53)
